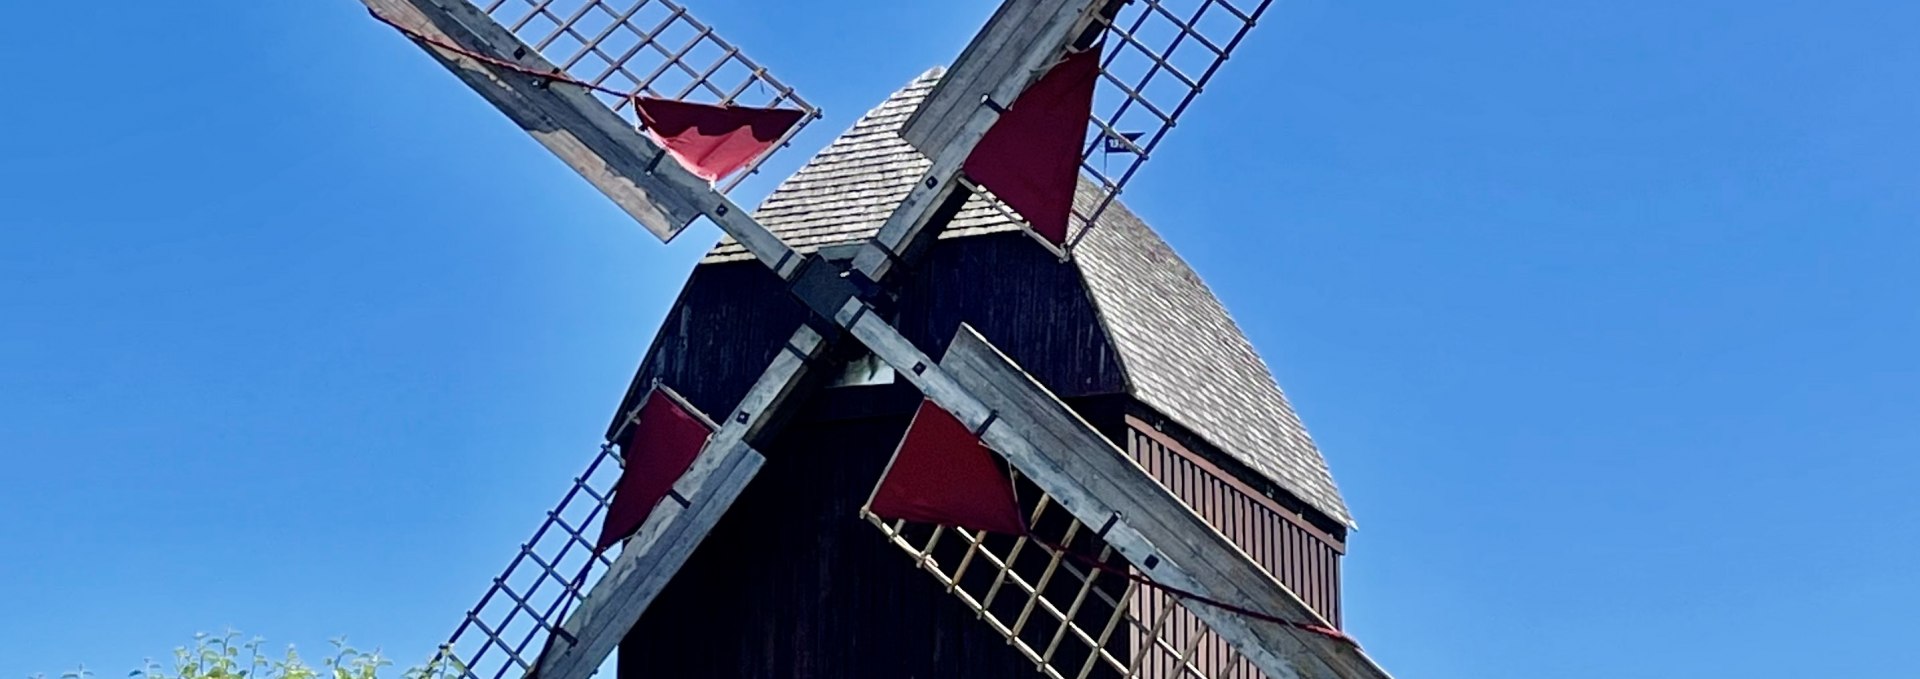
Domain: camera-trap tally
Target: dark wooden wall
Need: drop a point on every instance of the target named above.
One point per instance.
(731, 319)
(793, 583)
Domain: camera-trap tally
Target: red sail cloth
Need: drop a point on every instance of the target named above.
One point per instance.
(942, 474)
(661, 448)
(713, 141)
(1030, 158)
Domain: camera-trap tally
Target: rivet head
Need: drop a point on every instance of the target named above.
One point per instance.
(721, 210)
(741, 417)
(931, 182)
(1150, 561)
(919, 368)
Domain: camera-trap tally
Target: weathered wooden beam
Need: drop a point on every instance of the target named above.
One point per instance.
(656, 552)
(619, 160)
(1022, 40)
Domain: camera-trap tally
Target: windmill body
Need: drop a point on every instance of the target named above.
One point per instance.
(1082, 467)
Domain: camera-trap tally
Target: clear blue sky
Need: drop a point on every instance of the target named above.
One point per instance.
(1605, 313)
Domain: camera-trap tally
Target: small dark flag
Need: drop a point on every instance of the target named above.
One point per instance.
(1120, 142)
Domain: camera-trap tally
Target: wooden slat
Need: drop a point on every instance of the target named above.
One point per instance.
(1086, 474)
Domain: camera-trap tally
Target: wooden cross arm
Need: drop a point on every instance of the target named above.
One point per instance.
(1097, 483)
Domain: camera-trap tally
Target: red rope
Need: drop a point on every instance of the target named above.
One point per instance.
(556, 75)
(1179, 593)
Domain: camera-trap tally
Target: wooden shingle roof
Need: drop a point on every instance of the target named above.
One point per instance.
(1183, 355)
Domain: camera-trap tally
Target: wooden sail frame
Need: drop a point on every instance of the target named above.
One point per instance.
(1068, 614)
(652, 48)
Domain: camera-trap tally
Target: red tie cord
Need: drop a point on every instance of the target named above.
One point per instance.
(557, 76)
(1176, 592)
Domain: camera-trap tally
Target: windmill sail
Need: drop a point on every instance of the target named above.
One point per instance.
(570, 72)
(649, 48)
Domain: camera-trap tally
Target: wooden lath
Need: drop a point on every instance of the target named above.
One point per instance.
(551, 578)
(1158, 56)
(1065, 600)
(503, 634)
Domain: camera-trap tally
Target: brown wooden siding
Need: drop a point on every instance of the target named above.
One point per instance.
(1299, 555)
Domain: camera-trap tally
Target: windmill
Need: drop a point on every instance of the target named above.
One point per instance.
(1207, 547)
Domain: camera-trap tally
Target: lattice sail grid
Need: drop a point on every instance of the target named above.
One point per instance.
(650, 48)
(1064, 600)
(503, 634)
(1157, 55)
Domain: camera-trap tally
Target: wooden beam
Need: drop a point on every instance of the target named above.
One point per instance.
(1022, 40)
(656, 552)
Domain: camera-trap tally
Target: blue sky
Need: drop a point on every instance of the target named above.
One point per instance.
(1604, 313)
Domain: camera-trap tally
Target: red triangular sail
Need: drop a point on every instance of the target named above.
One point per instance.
(943, 474)
(1030, 158)
(664, 443)
(714, 141)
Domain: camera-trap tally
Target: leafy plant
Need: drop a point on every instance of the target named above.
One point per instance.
(228, 657)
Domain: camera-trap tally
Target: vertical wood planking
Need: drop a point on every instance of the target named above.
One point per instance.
(1298, 558)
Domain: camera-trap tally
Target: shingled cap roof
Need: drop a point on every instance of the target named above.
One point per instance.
(1183, 355)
